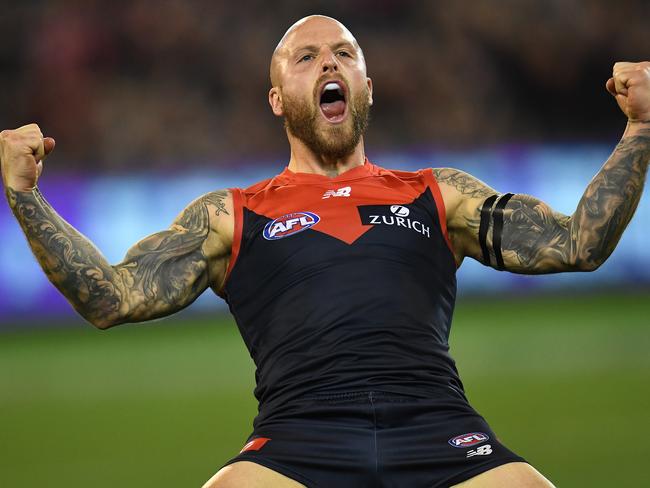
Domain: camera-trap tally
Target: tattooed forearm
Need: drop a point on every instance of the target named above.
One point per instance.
(161, 274)
(610, 201)
(68, 259)
(536, 239)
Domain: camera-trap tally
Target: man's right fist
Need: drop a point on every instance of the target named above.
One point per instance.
(22, 152)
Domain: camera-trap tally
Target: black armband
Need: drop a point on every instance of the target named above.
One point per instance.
(497, 231)
(494, 212)
(486, 212)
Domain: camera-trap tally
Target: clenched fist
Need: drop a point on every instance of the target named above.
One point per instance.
(22, 152)
(630, 85)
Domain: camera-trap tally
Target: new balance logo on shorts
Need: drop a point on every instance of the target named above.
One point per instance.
(341, 192)
(481, 451)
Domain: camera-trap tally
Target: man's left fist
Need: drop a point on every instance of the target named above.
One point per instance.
(630, 85)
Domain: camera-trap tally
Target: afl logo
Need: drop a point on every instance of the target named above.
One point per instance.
(289, 224)
(468, 440)
(400, 211)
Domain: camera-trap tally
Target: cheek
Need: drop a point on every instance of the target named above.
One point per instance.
(298, 86)
(361, 89)
(297, 96)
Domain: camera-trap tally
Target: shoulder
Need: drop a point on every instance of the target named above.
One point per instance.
(402, 174)
(417, 180)
(461, 183)
(258, 187)
(212, 216)
(408, 177)
(226, 206)
(202, 210)
(461, 192)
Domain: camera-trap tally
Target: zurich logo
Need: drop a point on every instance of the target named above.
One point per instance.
(468, 440)
(289, 224)
(400, 211)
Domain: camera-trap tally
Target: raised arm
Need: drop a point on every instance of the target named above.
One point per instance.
(159, 275)
(522, 234)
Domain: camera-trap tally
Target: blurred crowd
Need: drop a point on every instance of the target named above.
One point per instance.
(169, 83)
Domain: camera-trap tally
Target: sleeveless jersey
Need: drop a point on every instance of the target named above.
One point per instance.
(343, 284)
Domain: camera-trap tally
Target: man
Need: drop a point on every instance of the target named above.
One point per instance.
(341, 276)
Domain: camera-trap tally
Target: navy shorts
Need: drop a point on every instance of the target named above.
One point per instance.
(377, 439)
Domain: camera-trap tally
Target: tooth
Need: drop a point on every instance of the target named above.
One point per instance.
(331, 86)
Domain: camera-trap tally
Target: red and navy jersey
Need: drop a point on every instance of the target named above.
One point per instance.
(343, 284)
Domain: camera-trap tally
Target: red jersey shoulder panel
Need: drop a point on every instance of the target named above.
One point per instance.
(257, 187)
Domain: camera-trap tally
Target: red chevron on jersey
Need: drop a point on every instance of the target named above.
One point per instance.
(368, 184)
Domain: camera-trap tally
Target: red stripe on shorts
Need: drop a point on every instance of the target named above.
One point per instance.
(255, 444)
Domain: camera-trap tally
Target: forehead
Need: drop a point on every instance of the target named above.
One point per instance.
(316, 31)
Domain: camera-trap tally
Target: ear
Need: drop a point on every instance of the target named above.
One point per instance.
(275, 101)
(369, 82)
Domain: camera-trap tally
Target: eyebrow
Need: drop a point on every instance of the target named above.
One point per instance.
(335, 46)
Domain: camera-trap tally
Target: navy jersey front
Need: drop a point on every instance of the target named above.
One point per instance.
(343, 284)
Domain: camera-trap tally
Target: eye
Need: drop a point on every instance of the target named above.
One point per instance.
(344, 53)
(306, 57)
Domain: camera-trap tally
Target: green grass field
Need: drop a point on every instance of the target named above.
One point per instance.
(565, 382)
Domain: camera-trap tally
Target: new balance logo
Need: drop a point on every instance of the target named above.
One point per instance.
(481, 451)
(341, 192)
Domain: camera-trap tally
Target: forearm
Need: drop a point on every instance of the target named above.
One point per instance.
(70, 260)
(610, 200)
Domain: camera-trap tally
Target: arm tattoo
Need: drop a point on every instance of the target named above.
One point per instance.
(535, 239)
(161, 274)
(464, 183)
(610, 201)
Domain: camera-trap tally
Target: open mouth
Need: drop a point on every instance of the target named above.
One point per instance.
(332, 101)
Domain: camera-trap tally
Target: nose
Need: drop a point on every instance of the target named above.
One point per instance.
(329, 62)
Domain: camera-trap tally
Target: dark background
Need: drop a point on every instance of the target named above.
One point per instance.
(163, 83)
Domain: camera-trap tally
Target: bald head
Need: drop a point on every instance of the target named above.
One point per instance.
(307, 30)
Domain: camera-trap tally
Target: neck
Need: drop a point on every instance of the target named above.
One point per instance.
(304, 160)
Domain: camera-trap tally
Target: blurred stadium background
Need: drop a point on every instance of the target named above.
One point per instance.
(154, 103)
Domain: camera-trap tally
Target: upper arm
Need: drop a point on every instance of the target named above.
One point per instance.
(529, 236)
(168, 270)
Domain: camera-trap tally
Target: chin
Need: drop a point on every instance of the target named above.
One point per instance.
(337, 139)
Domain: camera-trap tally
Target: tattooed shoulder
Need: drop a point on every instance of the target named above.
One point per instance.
(464, 183)
(196, 216)
(217, 199)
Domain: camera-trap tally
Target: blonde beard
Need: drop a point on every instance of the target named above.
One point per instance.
(337, 141)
